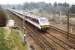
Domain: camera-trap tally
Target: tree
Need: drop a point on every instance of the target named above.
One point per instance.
(72, 9)
(65, 4)
(3, 40)
(55, 4)
(3, 18)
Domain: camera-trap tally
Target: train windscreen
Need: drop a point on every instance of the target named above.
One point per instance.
(43, 20)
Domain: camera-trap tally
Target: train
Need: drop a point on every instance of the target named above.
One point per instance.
(41, 23)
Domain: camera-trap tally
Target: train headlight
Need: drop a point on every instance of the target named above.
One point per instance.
(44, 26)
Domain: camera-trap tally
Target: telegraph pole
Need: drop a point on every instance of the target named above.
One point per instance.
(68, 25)
(67, 14)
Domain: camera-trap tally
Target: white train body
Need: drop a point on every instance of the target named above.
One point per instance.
(39, 22)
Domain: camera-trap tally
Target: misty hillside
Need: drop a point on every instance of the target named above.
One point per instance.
(42, 6)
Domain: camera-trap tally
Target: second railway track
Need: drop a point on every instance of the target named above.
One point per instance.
(56, 43)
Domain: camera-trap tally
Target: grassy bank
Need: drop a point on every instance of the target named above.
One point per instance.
(18, 44)
(10, 40)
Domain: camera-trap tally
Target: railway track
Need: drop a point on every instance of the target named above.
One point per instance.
(70, 36)
(60, 41)
(63, 43)
(48, 46)
(49, 41)
(49, 37)
(62, 31)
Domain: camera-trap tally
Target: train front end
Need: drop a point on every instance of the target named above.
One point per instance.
(44, 23)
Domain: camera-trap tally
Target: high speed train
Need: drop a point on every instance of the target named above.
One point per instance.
(41, 23)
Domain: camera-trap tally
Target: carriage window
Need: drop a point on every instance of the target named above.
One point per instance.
(35, 20)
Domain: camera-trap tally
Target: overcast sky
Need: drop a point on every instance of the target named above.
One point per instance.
(47, 1)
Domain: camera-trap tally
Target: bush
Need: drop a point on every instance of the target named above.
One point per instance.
(3, 45)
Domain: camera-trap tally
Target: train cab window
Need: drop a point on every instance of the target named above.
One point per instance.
(32, 19)
(35, 20)
(26, 17)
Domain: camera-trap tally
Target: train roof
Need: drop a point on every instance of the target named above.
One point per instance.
(30, 15)
(36, 17)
